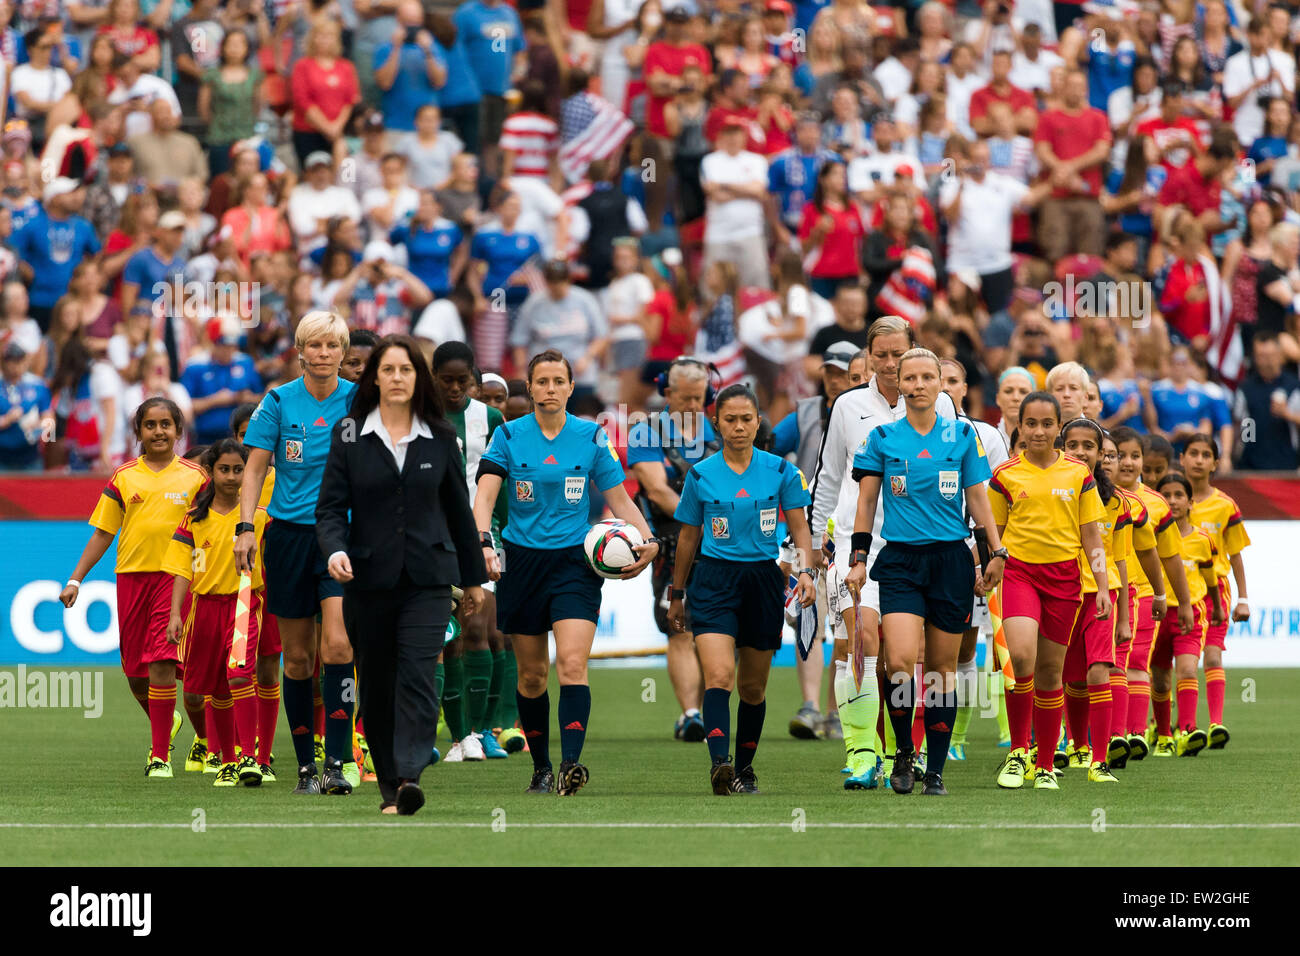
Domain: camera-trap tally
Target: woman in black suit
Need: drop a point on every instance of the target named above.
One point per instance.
(394, 465)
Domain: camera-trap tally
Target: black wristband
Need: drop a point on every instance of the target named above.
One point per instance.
(677, 594)
(244, 526)
(861, 541)
(485, 539)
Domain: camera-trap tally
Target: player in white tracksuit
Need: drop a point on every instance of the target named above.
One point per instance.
(995, 450)
(835, 497)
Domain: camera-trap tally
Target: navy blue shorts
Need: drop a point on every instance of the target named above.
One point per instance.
(745, 599)
(540, 587)
(933, 581)
(297, 577)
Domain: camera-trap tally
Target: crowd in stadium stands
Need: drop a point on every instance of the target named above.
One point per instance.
(1028, 183)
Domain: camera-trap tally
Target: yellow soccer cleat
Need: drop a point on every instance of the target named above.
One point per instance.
(1165, 747)
(318, 752)
(176, 723)
(1138, 747)
(1046, 780)
(1218, 736)
(198, 754)
(158, 769)
(227, 776)
(1011, 775)
(1100, 773)
(1192, 743)
(213, 762)
(1079, 758)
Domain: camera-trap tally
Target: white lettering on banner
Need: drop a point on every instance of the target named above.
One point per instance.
(22, 618)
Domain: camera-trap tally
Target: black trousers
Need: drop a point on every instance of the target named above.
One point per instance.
(396, 636)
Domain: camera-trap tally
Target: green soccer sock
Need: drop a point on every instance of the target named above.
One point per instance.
(453, 701)
(858, 713)
(997, 690)
(494, 689)
(478, 681)
(966, 677)
(508, 709)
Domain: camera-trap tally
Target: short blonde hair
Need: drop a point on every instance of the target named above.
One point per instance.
(920, 353)
(889, 325)
(1068, 370)
(1282, 234)
(321, 324)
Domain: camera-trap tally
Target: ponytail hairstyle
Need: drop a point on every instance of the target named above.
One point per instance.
(1105, 487)
(211, 455)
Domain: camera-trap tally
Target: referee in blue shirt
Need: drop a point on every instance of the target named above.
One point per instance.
(733, 502)
(553, 464)
(291, 429)
(925, 571)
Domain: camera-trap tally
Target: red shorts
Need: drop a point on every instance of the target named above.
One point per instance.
(1143, 626)
(1048, 593)
(205, 645)
(268, 635)
(1217, 634)
(1170, 641)
(144, 605)
(1091, 642)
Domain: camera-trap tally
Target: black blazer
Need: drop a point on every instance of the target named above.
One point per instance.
(420, 519)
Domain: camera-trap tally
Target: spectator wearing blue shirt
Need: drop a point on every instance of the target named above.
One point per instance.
(459, 97)
(494, 45)
(51, 245)
(435, 247)
(792, 175)
(156, 272)
(410, 70)
(23, 399)
(1182, 407)
(219, 385)
(377, 24)
(498, 252)
(1272, 145)
(1109, 65)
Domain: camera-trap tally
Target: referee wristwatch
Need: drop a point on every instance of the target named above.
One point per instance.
(485, 539)
(999, 553)
(244, 526)
(808, 571)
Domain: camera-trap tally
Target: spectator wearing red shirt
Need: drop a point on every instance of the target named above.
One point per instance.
(664, 62)
(1185, 301)
(1000, 90)
(130, 37)
(255, 225)
(830, 232)
(1197, 185)
(672, 307)
(324, 87)
(734, 103)
(775, 119)
(1072, 142)
(1177, 136)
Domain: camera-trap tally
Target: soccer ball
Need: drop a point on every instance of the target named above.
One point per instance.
(608, 547)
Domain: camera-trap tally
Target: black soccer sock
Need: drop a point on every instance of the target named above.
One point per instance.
(939, 718)
(900, 704)
(574, 713)
(749, 727)
(716, 714)
(297, 696)
(535, 717)
(338, 710)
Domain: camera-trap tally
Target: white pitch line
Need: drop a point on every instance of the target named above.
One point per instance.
(464, 825)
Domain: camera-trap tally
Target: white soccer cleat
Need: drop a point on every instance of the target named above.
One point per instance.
(472, 747)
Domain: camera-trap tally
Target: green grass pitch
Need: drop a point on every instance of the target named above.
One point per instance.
(1230, 807)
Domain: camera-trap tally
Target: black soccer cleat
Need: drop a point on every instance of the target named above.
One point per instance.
(903, 779)
(334, 783)
(934, 785)
(543, 781)
(308, 782)
(745, 782)
(721, 775)
(573, 777)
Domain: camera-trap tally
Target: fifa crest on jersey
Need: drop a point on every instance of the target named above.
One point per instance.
(767, 521)
(948, 482)
(292, 450)
(720, 529)
(523, 491)
(573, 488)
(898, 485)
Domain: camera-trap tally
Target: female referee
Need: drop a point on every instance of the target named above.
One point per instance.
(291, 428)
(1047, 508)
(145, 500)
(738, 590)
(552, 460)
(925, 573)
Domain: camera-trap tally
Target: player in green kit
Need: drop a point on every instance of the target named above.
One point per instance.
(469, 674)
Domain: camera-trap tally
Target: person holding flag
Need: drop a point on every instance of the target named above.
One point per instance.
(924, 572)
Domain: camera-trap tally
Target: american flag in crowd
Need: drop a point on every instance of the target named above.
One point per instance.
(591, 128)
